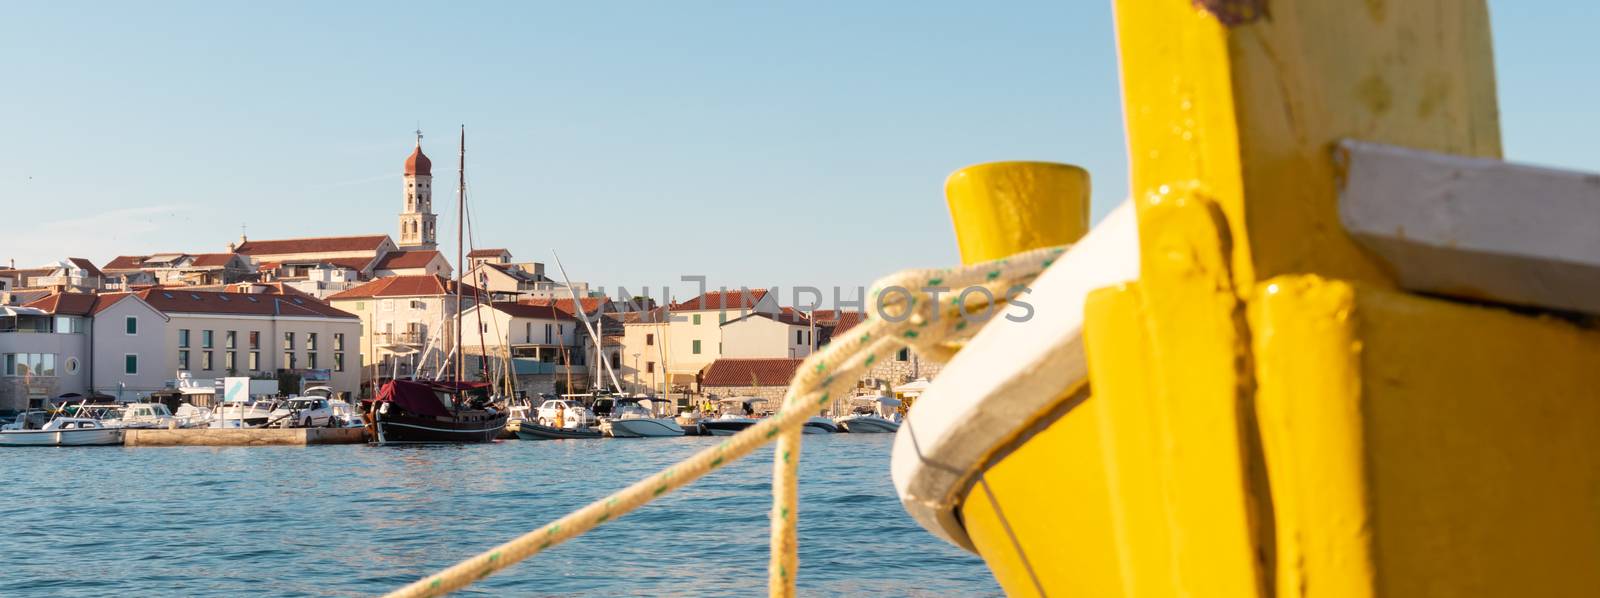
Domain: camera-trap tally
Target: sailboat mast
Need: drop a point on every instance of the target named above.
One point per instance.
(461, 271)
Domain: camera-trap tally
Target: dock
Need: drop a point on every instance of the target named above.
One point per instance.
(244, 436)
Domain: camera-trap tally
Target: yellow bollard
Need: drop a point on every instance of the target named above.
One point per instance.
(1004, 208)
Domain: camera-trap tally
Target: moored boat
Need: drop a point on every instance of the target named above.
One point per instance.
(819, 425)
(417, 411)
(630, 419)
(518, 412)
(736, 414)
(870, 415)
(63, 431)
(530, 430)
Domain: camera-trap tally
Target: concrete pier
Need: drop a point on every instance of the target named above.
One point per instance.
(244, 436)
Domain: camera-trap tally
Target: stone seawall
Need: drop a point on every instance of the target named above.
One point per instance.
(244, 437)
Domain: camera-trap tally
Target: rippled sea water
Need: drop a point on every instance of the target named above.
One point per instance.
(360, 520)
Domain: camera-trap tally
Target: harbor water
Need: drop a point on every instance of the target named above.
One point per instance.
(360, 520)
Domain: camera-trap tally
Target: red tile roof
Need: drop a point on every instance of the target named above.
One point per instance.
(417, 163)
(523, 310)
(67, 304)
(650, 316)
(87, 266)
(720, 300)
(842, 321)
(750, 372)
(76, 304)
(396, 260)
(486, 252)
(201, 260)
(180, 300)
(406, 286)
(125, 262)
(212, 260)
(590, 304)
(312, 245)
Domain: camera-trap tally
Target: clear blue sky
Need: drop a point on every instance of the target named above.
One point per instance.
(754, 143)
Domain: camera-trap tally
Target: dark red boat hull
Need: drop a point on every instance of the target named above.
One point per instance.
(396, 428)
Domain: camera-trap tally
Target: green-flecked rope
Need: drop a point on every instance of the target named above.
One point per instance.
(914, 319)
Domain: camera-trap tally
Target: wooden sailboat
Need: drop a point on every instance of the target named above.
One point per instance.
(440, 410)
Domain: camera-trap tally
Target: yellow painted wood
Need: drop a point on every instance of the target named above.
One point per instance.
(1004, 208)
(1246, 108)
(1117, 350)
(1421, 447)
(1309, 407)
(1348, 439)
(1041, 514)
(1198, 387)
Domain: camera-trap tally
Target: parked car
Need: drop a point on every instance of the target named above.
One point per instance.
(314, 409)
(572, 409)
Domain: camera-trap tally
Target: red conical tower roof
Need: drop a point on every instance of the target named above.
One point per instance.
(419, 163)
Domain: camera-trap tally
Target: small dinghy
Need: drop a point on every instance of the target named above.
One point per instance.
(533, 431)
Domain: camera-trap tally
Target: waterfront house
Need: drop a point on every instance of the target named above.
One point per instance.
(84, 343)
(506, 328)
(408, 322)
(44, 350)
(695, 328)
(545, 345)
(760, 334)
(170, 333)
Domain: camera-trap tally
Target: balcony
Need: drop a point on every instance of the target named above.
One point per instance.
(400, 338)
(528, 367)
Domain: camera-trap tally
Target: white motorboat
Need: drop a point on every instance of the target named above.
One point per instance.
(870, 414)
(190, 416)
(253, 413)
(109, 416)
(147, 415)
(631, 419)
(63, 431)
(735, 414)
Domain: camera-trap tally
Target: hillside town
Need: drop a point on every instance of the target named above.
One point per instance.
(351, 312)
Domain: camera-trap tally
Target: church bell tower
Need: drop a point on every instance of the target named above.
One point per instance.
(418, 226)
